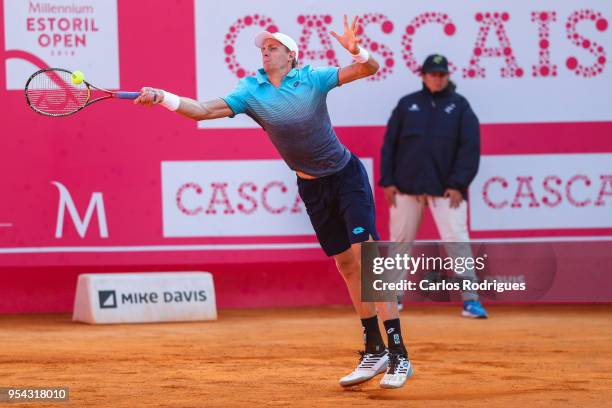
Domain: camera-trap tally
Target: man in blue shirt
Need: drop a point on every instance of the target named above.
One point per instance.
(289, 103)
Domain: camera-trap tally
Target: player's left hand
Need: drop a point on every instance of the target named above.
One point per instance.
(349, 39)
(455, 197)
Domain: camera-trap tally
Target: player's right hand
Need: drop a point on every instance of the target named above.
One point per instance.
(149, 96)
(390, 193)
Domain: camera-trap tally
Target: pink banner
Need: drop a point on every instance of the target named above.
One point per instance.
(88, 190)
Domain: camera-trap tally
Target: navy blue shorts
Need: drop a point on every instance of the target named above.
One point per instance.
(340, 207)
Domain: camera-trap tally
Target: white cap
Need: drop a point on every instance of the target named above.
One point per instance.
(280, 37)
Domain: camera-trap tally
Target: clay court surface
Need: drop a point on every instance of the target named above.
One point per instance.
(535, 356)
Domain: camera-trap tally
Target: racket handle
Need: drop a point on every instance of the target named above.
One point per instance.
(127, 95)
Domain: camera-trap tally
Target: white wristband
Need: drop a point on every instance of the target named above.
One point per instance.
(362, 57)
(171, 101)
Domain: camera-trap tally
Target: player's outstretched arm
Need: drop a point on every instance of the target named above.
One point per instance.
(187, 107)
(364, 65)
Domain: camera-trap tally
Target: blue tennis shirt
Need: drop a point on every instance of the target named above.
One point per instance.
(295, 117)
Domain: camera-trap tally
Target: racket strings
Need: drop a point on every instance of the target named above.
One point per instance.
(53, 93)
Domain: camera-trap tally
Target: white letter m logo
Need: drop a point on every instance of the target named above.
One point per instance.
(95, 204)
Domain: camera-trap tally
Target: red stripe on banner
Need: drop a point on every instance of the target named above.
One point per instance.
(273, 284)
(546, 138)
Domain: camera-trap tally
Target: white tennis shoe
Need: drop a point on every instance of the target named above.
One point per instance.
(398, 372)
(370, 365)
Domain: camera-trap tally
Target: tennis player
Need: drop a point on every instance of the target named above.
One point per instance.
(290, 105)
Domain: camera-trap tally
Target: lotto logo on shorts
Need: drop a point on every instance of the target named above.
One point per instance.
(358, 230)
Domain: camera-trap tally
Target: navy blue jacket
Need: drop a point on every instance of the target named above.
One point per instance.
(432, 143)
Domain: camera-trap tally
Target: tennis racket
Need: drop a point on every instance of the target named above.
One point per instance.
(51, 92)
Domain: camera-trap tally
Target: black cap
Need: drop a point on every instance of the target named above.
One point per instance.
(435, 63)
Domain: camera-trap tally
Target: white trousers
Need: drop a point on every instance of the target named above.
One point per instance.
(405, 219)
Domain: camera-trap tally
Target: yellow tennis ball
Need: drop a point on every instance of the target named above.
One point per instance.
(77, 77)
